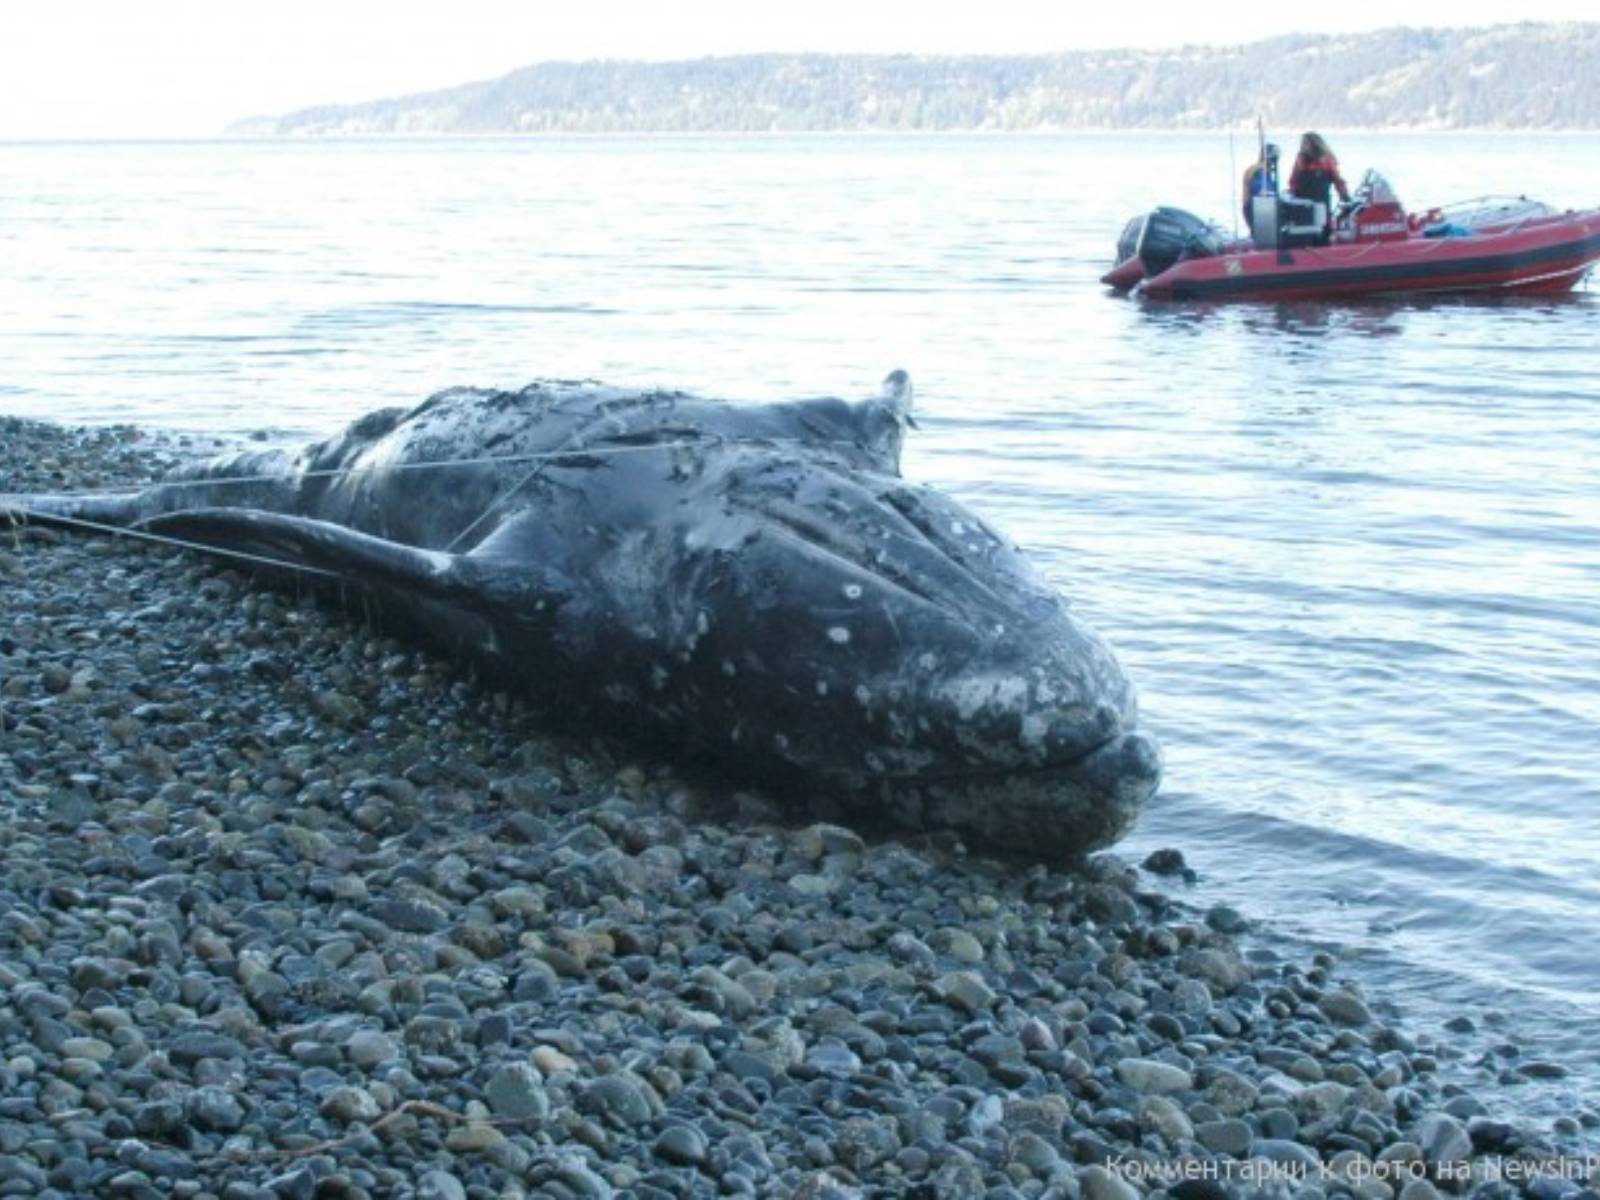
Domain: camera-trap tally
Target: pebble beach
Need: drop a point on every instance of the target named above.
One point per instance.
(290, 908)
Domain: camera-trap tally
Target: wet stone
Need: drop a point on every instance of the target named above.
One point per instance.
(1167, 861)
(966, 990)
(517, 1092)
(1150, 1075)
(215, 1109)
(1033, 1152)
(1231, 1137)
(1098, 1183)
(86, 1047)
(350, 1104)
(367, 1048)
(1226, 919)
(187, 1049)
(409, 914)
(832, 1058)
(1345, 1008)
(681, 1144)
(158, 1119)
(617, 1097)
(1279, 1122)
(1442, 1138)
(440, 1185)
(475, 1137)
(1286, 1153)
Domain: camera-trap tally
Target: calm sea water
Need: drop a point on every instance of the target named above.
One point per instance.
(1350, 554)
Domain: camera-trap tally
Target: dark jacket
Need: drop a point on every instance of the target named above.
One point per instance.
(1314, 178)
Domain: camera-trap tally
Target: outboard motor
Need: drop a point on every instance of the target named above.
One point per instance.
(1128, 243)
(1171, 235)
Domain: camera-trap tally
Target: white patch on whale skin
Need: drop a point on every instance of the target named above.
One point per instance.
(852, 591)
(839, 634)
(1034, 727)
(969, 696)
(863, 697)
(728, 668)
(822, 687)
(702, 626)
(658, 677)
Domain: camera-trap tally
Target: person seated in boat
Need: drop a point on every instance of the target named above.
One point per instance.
(1316, 172)
(1257, 182)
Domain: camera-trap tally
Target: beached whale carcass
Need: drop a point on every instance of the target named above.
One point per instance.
(752, 580)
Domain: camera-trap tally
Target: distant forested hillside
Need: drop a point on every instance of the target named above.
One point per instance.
(1523, 76)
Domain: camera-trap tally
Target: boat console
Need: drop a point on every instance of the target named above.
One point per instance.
(1287, 222)
(1374, 214)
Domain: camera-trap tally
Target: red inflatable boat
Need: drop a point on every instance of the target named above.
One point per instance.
(1373, 248)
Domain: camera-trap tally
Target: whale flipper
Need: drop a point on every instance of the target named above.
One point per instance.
(293, 542)
(289, 544)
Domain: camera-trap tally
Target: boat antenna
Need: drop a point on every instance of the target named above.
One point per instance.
(1233, 175)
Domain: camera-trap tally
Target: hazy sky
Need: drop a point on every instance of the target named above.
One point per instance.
(185, 68)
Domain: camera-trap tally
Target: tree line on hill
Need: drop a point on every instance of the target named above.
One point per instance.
(1525, 76)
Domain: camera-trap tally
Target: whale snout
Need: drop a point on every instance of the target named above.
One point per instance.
(1059, 812)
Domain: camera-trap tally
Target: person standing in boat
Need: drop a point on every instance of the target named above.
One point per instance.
(1316, 172)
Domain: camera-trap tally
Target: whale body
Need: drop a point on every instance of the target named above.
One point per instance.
(755, 583)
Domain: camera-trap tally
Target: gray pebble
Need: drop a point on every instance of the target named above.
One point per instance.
(214, 1109)
(1442, 1139)
(409, 914)
(516, 1091)
(681, 1144)
(1231, 1137)
(1286, 1154)
(440, 1185)
(1151, 1075)
(348, 1104)
(618, 1097)
(1345, 1008)
(367, 1048)
(966, 990)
